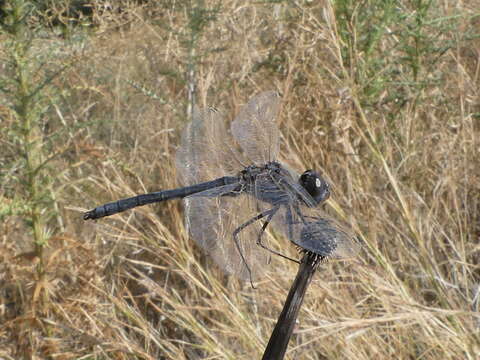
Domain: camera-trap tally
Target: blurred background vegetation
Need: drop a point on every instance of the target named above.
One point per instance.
(380, 96)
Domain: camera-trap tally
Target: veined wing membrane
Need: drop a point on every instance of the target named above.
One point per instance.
(255, 127)
(312, 229)
(206, 151)
(212, 221)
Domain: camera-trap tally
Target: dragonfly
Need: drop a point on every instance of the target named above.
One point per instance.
(234, 188)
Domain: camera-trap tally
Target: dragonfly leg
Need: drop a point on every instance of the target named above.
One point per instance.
(264, 226)
(237, 243)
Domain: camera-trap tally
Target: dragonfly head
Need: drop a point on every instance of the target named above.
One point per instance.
(315, 185)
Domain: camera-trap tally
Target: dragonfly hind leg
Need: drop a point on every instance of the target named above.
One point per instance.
(269, 214)
(259, 238)
(237, 243)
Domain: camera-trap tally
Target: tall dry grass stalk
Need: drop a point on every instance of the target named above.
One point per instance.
(382, 97)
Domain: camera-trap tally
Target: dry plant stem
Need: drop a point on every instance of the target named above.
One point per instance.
(277, 345)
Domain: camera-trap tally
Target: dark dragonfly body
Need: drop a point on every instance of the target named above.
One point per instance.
(266, 183)
(118, 206)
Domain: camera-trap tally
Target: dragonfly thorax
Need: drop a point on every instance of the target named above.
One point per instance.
(267, 183)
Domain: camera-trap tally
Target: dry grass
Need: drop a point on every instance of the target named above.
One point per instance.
(383, 100)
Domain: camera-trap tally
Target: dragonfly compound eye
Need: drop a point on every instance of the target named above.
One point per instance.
(315, 185)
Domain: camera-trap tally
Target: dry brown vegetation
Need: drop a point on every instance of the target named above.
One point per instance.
(382, 97)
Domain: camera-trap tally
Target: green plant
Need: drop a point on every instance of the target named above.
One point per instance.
(31, 139)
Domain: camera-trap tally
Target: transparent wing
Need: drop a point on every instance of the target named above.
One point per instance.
(212, 221)
(312, 229)
(255, 127)
(206, 151)
(327, 238)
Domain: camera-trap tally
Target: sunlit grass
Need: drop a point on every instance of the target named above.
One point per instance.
(381, 97)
